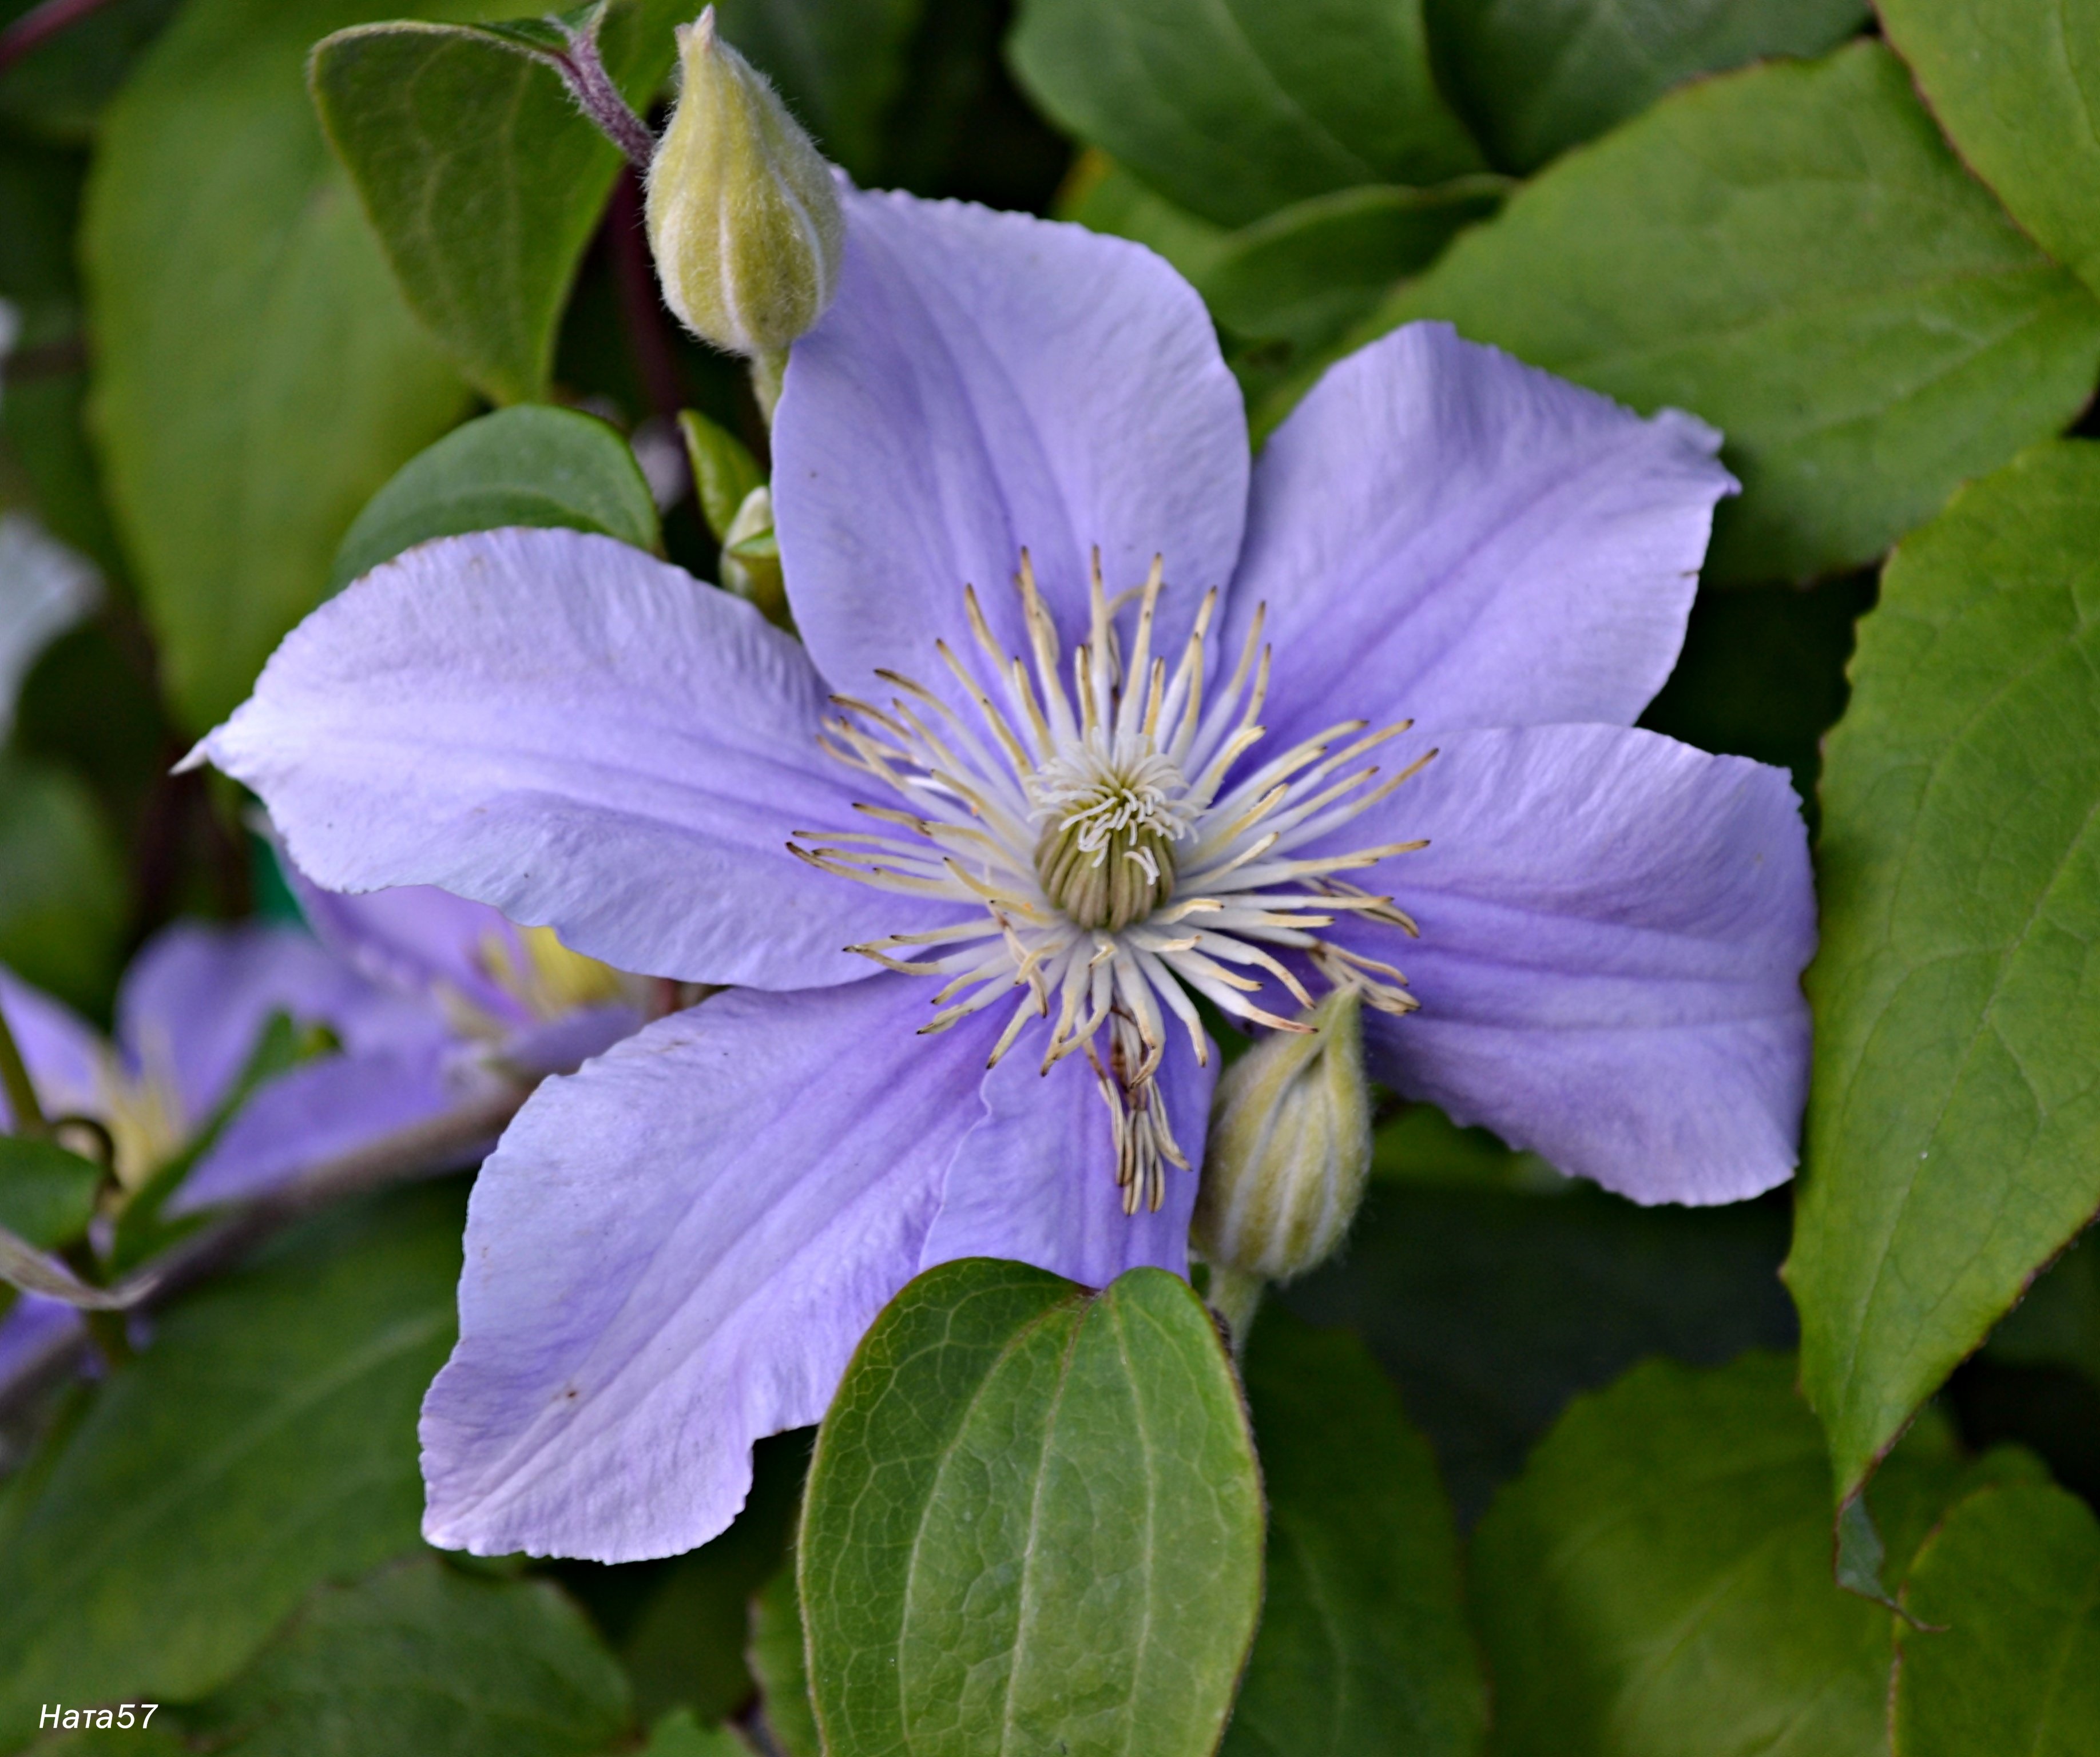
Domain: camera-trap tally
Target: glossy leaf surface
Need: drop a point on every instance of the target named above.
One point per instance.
(1364, 1649)
(1235, 109)
(523, 466)
(264, 1443)
(1033, 1522)
(1794, 254)
(1953, 1138)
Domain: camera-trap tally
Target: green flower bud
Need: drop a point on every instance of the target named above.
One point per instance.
(742, 217)
(1289, 1147)
(751, 555)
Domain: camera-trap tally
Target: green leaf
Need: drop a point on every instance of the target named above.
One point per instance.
(1307, 273)
(1033, 1522)
(1490, 1307)
(782, 1667)
(1793, 254)
(2014, 84)
(523, 466)
(724, 471)
(1954, 1146)
(2008, 1588)
(46, 1193)
(678, 1734)
(1234, 109)
(1536, 77)
(1658, 1583)
(483, 179)
(258, 375)
(841, 65)
(1364, 1651)
(264, 1443)
(687, 1645)
(1101, 195)
(62, 886)
(421, 1657)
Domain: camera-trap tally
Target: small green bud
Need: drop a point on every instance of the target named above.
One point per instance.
(742, 217)
(751, 555)
(1290, 1148)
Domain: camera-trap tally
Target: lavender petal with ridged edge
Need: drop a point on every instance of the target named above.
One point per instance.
(985, 381)
(1613, 930)
(559, 725)
(1440, 532)
(674, 1252)
(1034, 1181)
(314, 1113)
(194, 1002)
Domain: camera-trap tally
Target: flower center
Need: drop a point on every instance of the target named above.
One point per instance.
(1107, 855)
(1116, 850)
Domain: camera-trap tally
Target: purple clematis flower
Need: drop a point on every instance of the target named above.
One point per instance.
(477, 997)
(1088, 720)
(189, 1014)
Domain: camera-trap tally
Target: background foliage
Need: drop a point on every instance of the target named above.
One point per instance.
(1530, 1469)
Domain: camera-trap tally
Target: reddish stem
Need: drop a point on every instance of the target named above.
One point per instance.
(39, 25)
(641, 307)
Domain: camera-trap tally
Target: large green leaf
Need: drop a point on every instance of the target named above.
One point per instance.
(1953, 1139)
(1491, 1307)
(1032, 1523)
(418, 1658)
(523, 466)
(1235, 108)
(2016, 85)
(266, 1440)
(1306, 274)
(1364, 1651)
(1537, 75)
(1658, 1583)
(482, 177)
(1793, 254)
(62, 889)
(840, 64)
(2007, 1656)
(258, 376)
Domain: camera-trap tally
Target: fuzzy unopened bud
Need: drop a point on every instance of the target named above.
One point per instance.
(1289, 1147)
(742, 217)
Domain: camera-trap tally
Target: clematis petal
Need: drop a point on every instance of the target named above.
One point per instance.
(1613, 929)
(415, 939)
(1034, 1181)
(313, 1113)
(195, 1000)
(674, 1252)
(985, 381)
(35, 1334)
(562, 1044)
(62, 1051)
(1441, 531)
(554, 723)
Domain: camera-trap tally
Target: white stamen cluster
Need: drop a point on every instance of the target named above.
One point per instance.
(1119, 851)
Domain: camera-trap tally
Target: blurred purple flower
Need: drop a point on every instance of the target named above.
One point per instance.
(675, 1251)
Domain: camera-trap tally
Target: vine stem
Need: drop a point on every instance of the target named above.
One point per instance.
(39, 25)
(14, 1080)
(584, 73)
